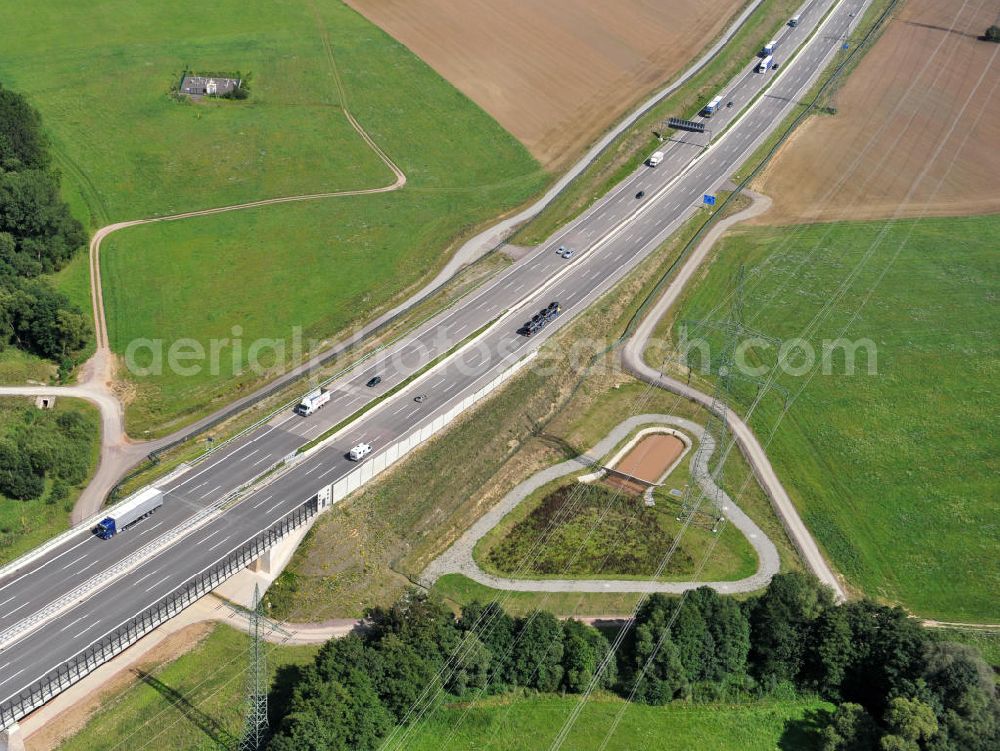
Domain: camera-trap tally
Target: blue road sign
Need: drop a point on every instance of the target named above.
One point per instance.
(846, 46)
(709, 200)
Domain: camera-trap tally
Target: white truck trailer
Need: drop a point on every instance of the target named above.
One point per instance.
(712, 107)
(360, 451)
(312, 401)
(769, 48)
(655, 159)
(142, 504)
(764, 64)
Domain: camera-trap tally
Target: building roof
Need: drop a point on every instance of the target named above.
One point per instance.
(202, 84)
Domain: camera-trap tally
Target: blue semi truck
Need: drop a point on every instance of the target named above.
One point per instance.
(142, 504)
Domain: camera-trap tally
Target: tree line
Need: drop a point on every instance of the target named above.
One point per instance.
(896, 689)
(42, 444)
(38, 235)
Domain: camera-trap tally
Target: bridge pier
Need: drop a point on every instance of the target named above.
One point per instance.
(11, 740)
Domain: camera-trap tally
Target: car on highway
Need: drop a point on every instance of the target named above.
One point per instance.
(567, 254)
(374, 381)
(420, 398)
(560, 250)
(641, 194)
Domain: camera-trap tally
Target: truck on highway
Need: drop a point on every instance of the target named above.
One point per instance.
(312, 401)
(359, 452)
(769, 48)
(143, 504)
(764, 64)
(712, 107)
(655, 159)
(793, 21)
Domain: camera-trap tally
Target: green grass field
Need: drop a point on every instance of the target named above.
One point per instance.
(895, 473)
(512, 724)
(25, 524)
(101, 77)
(193, 703)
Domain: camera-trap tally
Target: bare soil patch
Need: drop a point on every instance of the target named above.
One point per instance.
(651, 457)
(927, 71)
(555, 73)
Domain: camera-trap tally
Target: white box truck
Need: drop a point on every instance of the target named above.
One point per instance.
(655, 159)
(769, 48)
(312, 401)
(712, 107)
(360, 451)
(141, 504)
(793, 21)
(764, 64)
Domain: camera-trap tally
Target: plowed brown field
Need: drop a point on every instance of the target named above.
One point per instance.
(878, 156)
(555, 73)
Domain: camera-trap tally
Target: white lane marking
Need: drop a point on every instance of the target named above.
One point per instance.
(262, 459)
(150, 529)
(330, 471)
(411, 413)
(72, 623)
(152, 586)
(12, 677)
(199, 485)
(220, 542)
(145, 577)
(273, 507)
(310, 471)
(78, 635)
(205, 495)
(310, 429)
(4, 602)
(265, 499)
(48, 562)
(11, 612)
(74, 561)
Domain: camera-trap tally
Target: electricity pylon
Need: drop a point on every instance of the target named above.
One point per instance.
(255, 728)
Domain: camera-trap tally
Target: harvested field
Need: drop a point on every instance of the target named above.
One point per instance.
(555, 73)
(927, 73)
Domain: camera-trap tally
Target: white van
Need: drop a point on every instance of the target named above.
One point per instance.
(360, 451)
(655, 159)
(769, 47)
(794, 21)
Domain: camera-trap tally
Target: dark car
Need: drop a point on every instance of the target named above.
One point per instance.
(420, 398)
(774, 67)
(641, 194)
(374, 381)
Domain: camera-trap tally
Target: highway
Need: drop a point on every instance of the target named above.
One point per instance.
(608, 241)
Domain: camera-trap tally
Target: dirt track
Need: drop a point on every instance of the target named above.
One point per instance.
(894, 111)
(555, 73)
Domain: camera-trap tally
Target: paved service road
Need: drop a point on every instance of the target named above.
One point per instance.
(609, 240)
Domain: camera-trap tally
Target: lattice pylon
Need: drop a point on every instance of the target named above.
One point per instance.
(255, 727)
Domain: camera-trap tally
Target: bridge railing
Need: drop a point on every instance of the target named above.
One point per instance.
(119, 639)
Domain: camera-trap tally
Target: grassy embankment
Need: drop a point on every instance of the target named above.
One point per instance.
(626, 153)
(322, 266)
(362, 552)
(27, 523)
(893, 472)
(192, 703)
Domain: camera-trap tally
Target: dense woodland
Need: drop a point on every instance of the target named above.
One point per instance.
(896, 689)
(36, 445)
(37, 236)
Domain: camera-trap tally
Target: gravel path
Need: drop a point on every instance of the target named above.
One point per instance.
(458, 558)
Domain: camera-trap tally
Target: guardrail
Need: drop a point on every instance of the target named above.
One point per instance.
(128, 633)
(58, 679)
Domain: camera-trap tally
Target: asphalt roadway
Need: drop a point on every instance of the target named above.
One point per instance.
(608, 241)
